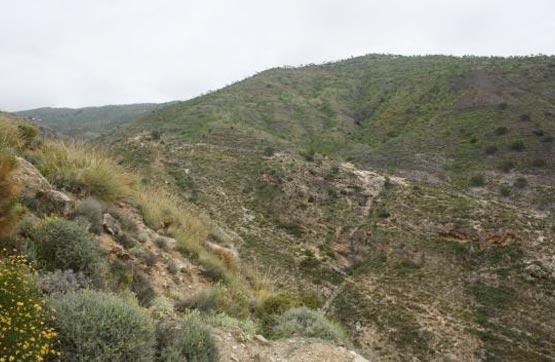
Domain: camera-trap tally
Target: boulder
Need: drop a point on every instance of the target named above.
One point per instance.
(32, 182)
(54, 202)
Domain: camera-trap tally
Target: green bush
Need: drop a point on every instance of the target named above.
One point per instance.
(477, 181)
(521, 182)
(63, 281)
(490, 150)
(539, 162)
(61, 244)
(501, 131)
(518, 146)
(505, 191)
(189, 341)
(89, 212)
(99, 327)
(269, 309)
(308, 323)
(506, 166)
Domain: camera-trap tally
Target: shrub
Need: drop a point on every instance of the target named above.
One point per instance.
(189, 341)
(173, 268)
(477, 181)
(506, 166)
(95, 326)
(525, 118)
(501, 131)
(162, 243)
(222, 320)
(308, 323)
(538, 132)
(126, 240)
(490, 150)
(63, 282)
(24, 334)
(148, 257)
(505, 191)
(539, 162)
(90, 211)
(269, 151)
(61, 244)
(161, 308)
(521, 182)
(518, 146)
(155, 134)
(143, 237)
(270, 308)
(142, 288)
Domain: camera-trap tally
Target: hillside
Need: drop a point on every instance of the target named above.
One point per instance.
(412, 195)
(89, 122)
(95, 265)
(428, 113)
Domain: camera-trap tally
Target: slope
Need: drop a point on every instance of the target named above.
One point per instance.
(88, 122)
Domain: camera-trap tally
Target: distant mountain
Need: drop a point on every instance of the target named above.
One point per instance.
(88, 122)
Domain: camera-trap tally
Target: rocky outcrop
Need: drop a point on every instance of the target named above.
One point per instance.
(31, 180)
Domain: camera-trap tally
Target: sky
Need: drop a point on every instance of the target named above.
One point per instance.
(76, 53)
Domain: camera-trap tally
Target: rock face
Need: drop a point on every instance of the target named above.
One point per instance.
(30, 179)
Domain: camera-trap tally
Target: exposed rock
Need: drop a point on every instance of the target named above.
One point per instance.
(31, 180)
(535, 271)
(218, 249)
(111, 225)
(261, 339)
(53, 201)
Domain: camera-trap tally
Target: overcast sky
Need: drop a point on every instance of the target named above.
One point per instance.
(78, 53)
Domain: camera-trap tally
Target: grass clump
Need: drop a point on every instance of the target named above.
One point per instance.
(95, 326)
(10, 210)
(83, 169)
(219, 299)
(57, 243)
(477, 181)
(305, 322)
(24, 334)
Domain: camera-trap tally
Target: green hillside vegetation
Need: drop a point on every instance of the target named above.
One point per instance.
(96, 265)
(441, 253)
(89, 122)
(446, 115)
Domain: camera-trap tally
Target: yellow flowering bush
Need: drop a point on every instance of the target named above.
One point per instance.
(24, 333)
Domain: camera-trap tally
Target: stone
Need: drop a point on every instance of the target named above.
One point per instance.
(32, 182)
(53, 201)
(111, 225)
(261, 339)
